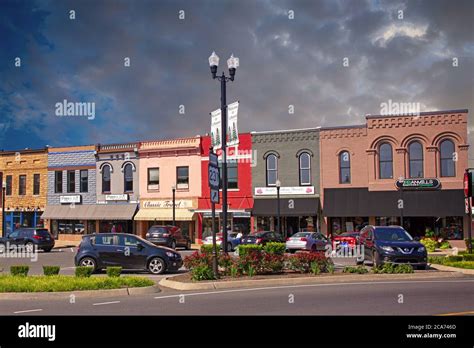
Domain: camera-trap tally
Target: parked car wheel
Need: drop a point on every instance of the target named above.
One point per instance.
(157, 266)
(29, 247)
(425, 267)
(88, 262)
(173, 245)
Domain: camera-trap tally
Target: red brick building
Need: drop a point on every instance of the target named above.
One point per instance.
(239, 196)
(364, 166)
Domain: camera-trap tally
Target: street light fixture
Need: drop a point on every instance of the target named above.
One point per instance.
(173, 188)
(278, 185)
(232, 64)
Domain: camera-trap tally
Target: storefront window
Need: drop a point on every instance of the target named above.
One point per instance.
(385, 161)
(115, 226)
(305, 168)
(415, 155)
(182, 177)
(344, 168)
(447, 158)
(387, 220)
(71, 226)
(128, 178)
(348, 224)
(272, 170)
(71, 181)
(106, 179)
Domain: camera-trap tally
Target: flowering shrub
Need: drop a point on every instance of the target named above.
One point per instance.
(197, 259)
(272, 263)
(429, 244)
(309, 262)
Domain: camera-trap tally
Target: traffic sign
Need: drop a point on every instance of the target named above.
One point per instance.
(214, 177)
(214, 196)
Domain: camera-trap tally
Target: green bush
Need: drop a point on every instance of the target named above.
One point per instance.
(461, 264)
(114, 271)
(275, 248)
(84, 271)
(445, 245)
(468, 257)
(19, 270)
(208, 248)
(391, 268)
(202, 272)
(429, 244)
(437, 259)
(51, 270)
(303, 262)
(245, 249)
(467, 243)
(54, 283)
(358, 269)
(452, 258)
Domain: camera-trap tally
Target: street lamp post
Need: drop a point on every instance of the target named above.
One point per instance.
(232, 64)
(4, 184)
(278, 185)
(173, 188)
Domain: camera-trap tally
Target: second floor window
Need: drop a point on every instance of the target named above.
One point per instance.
(36, 184)
(22, 185)
(58, 181)
(9, 182)
(305, 168)
(232, 174)
(71, 181)
(272, 170)
(128, 178)
(106, 179)
(344, 168)
(182, 178)
(84, 178)
(415, 158)
(153, 178)
(385, 161)
(447, 151)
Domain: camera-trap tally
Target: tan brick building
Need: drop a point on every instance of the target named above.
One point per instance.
(24, 174)
(367, 170)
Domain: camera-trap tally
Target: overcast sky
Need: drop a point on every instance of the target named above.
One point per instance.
(291, 54)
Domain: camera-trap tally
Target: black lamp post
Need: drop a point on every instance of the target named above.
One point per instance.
(4, 234)
(232, 64)
(173, 188)
(278, 185)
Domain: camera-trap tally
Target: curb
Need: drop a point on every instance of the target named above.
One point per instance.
(452, 269)
(177, 285)
(79, 293)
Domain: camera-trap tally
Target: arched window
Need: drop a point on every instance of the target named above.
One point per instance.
(385, 161)
(272, 170)
(106, 179)
(415, 159)
(305, 169)
(447, 151)
(128, 178)
(344, 168)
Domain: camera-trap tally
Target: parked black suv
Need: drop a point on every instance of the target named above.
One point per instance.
(392, 244)
(29, 237)
(169, 236)
(262, 237)
(128, 251)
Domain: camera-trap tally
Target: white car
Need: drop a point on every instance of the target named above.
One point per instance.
(232, 240)
(313, 241)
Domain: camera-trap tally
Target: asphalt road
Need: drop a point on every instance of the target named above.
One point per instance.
(420, 297)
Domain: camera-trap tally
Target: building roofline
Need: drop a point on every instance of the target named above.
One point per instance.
(24, 151)
(425, 113)
(286, 130)
(344, 127)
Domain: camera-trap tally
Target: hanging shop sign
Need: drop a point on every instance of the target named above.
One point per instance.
(180, 203)
(120, 197)
(70, 199)
(232, 129)
(418, 184)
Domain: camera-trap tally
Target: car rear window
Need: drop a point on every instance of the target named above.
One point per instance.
(42, 233)
(158, 230)
(301, 234)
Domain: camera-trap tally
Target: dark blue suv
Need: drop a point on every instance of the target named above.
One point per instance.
(125, 250)
(391, 244)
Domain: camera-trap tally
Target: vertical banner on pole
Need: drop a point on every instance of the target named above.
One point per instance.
(216, 129)
(232, 129)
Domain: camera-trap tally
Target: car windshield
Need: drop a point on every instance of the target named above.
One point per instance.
(301, 234)
(42, 233)
(392, 234)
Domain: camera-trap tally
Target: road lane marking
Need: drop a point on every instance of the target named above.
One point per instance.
(105, 303)
(456, 313)
(28, 311)
(311, 285)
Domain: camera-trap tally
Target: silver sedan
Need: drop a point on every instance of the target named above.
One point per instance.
(313, 241)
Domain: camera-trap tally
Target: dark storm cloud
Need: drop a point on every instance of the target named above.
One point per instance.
(283, 62)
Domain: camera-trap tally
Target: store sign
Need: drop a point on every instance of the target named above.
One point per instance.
(181, 204)
(123, 197)
(290, 190)
(70, 199)
(418, 184)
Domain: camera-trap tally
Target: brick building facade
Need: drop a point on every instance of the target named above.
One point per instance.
(396, 168)
(25, 176)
